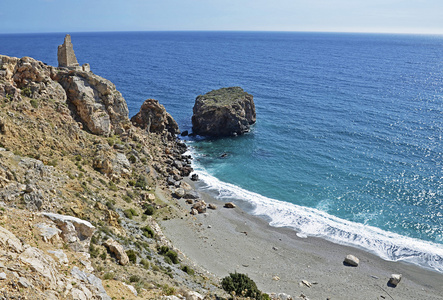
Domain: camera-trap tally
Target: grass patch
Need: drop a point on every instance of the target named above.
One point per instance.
(130, 212)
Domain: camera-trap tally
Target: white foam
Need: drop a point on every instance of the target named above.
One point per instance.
(313, 222)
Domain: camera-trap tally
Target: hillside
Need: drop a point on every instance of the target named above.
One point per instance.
(67, 147)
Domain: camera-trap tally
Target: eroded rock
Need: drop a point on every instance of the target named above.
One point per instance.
(117, 249)
(153, 117)
(75, 231)
(223, 112)
(9, 241)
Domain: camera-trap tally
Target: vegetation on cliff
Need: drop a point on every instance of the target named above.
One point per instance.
(52, 159)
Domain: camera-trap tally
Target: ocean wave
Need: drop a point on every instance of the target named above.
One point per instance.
(316, 223)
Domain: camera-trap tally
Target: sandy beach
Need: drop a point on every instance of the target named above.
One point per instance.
(225, 240)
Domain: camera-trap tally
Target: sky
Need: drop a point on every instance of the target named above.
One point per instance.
(384, 16)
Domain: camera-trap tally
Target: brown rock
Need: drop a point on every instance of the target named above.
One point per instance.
(153, 118)
(230, 205)
(200, 206)
(112, 218)
(118, 251)
(223, 112)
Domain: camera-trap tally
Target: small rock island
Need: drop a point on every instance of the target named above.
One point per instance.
(223, 112)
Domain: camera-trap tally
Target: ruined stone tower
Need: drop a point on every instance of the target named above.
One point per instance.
(65, 54)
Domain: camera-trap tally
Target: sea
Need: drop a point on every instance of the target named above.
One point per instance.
(348, 144)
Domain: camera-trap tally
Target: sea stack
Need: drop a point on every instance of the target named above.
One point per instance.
(223, 112)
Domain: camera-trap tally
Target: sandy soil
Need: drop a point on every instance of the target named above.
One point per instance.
(225, 240)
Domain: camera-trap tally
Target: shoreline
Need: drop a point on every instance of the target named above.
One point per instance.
(224, 241)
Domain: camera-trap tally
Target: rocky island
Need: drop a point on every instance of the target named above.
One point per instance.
(223, 112)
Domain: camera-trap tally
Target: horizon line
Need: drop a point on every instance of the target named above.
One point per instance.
(245, 31)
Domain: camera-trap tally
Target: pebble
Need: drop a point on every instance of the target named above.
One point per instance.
(2, 276)
(306, 283)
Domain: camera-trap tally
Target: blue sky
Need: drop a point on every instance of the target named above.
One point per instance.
(396, 16)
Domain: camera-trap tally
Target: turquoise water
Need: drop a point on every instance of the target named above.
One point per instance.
(348, 142)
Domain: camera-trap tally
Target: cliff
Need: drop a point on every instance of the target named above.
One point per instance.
(81, 189)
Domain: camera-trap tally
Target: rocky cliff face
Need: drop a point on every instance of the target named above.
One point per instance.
(93, 100)
(153, 117)
(223, 112)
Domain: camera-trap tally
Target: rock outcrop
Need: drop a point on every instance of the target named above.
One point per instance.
(29, 77)
(95, 101)
(223, 112)
(117, 249)
(75, 231)
(31, 272)
(153, 117)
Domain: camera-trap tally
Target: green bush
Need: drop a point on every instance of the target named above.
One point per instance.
(241, 284)
(132, 159)
(93, 251)
(172, 256)
(148, 232)
(132, 255)
(34, 103)
(168, 290)
(26, 92)
(149, 210)
(188, 270)
(130, 212)
(112, 186)
(127, 199)
(134, 278)
(145, 263)
(141, 182)
(163, 250)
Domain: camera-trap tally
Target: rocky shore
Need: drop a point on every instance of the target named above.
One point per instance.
(94, 205)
